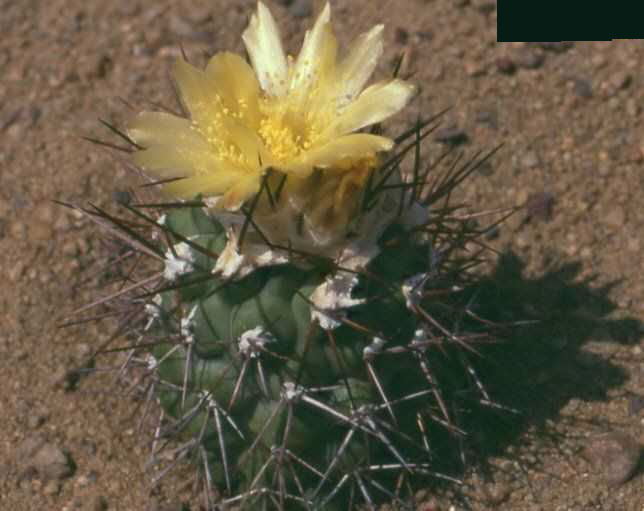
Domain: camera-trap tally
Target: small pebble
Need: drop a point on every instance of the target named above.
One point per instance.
(52, 487)
(122, 197)
(614, 455)
(127, 9)
(64, 378)
(635, 405)
(621, 80)
(301, 8)
(475, 68)
(102, 66)
(488, 117)
(529, 59)
(521, 241)
(615, 217)
(484, 6)
(530, 160)
(401, 36)
(451, 135)
(199, 13)
(506, 65)
(633, 108)
(424, 35)
(540, 206)
(52, 463)
(35, 420)
(598, 60)
(7, 120)
(35, 455)
(185, 29)
(485, 168)
(16, 271)
(582, 88)
(38, 231)
(180, 26)
(497, 493)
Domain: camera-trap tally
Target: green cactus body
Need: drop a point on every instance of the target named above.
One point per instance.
(311, 297)
(285, 392)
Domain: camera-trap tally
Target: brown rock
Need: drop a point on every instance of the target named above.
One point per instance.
(529, 59)
(35, 455)
(52, 487)
(301, 8)
(621, 80)
(615, 217)
(27, 448)
(505, 65)
(52, 463)
(614, 455)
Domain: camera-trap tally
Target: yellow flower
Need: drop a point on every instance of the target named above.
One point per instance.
(291, 115)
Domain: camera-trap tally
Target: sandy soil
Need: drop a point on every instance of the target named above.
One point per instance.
(570, 118)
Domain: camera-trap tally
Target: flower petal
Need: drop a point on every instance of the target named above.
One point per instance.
(173, 148)
(152, 128)
(216, 182)
(235, 197)
(198, 93)
(262, 40)
(375, 104)
(174, 161)
(314, 55)
(246, 140)
(356, 68)
(236, 84)
(356, 145)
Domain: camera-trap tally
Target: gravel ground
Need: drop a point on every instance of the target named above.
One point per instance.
(570, 118)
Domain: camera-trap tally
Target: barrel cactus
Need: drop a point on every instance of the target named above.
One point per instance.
(309, 296)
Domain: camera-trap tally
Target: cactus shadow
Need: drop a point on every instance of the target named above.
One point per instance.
(558, 356)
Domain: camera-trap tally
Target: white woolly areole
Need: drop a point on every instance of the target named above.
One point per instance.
(420, 338)
(153, 310)
(331, 297)
(326, 321)
(230, 260)
(374, 348)
(186, 326)
(412, 289)
(252, 341)
(213, 202)
(151, 362)
(160, 221)
(232, 263)
(180, 263)
(291, 391)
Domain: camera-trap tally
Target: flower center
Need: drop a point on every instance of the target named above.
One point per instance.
(285, 133)
(282, 141)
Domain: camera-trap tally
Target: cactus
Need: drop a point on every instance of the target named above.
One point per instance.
(310, 298)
